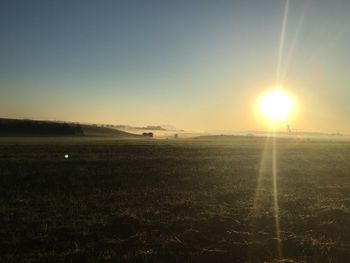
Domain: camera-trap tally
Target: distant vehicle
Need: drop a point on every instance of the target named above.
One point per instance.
(148, 134)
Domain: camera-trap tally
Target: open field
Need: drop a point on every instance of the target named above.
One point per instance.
(196, 200)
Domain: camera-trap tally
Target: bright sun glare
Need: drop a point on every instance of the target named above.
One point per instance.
(276, 105)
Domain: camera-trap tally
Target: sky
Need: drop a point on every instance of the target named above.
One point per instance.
(198, 65)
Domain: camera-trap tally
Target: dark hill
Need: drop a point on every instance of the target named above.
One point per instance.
(16, 127)
(94, 130)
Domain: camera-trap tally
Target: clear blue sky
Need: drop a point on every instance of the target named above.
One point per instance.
(198, 65)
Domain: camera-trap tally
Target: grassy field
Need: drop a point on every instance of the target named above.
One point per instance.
(196, 200)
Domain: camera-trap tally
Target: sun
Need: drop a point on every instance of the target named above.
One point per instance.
(276, 105)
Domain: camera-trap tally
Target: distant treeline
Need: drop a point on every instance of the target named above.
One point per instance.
(12, 127)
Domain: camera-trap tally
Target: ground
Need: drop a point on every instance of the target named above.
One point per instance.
(195, 200)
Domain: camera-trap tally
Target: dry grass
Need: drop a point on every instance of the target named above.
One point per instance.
(172, 201)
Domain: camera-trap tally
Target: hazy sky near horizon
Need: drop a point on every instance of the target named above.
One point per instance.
(198, 65)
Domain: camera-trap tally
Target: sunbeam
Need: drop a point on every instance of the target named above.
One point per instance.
(274, 155)
(281, 44)
(293, 43)
(269, 150)
(262, 170)
(275, 194)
